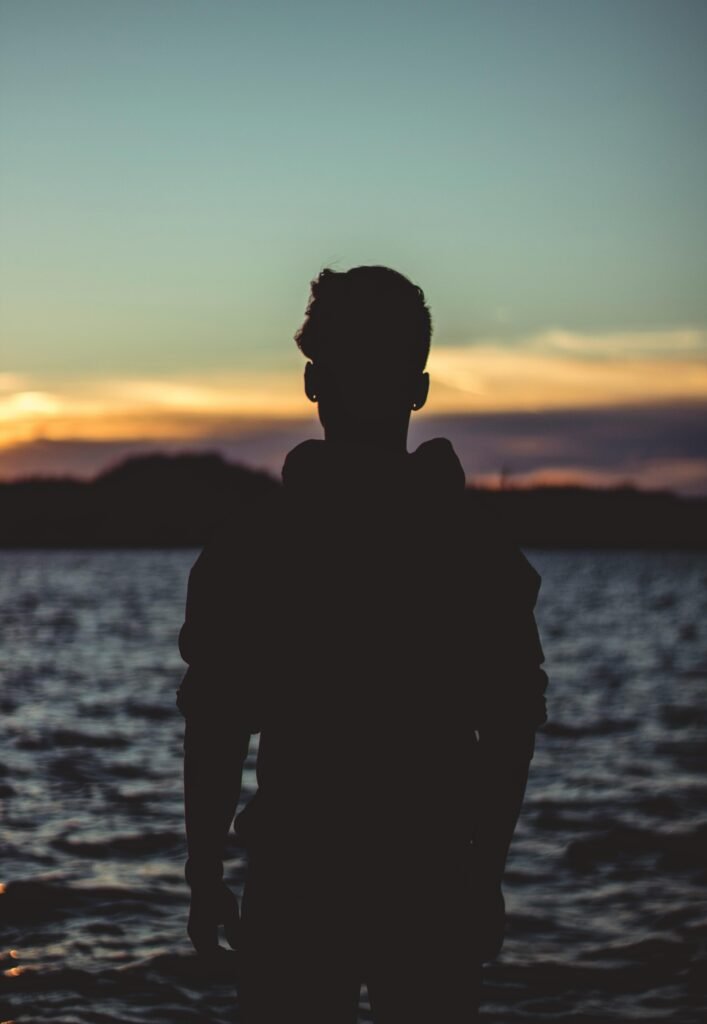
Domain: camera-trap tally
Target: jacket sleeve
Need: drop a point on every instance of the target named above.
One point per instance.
(513, 695)
(217, 728)
(205, 685)
(217, 640)
(512, 709)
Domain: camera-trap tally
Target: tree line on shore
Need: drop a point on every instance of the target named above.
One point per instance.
(178, 501)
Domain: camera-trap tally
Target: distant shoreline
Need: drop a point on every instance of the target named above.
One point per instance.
(172, 502)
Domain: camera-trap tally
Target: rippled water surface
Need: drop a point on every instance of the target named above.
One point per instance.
(606, 879)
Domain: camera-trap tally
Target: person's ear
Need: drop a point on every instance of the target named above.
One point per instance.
(311, 382)
(422, 387)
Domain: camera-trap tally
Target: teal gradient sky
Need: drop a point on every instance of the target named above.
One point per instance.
(174, 172)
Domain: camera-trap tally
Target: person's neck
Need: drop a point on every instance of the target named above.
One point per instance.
(387, 436)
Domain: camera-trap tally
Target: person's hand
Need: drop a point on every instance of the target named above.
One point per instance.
(211, 906)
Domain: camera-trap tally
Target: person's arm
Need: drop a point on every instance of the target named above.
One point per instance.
(504, 752)
(216, 741)
(504, 755)
(512, 713)
(214, 752)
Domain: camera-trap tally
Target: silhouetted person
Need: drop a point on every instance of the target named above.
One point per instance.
(380, 637)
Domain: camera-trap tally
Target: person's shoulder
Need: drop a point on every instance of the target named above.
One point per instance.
(246, 535)
(437, 472)
(496, 550)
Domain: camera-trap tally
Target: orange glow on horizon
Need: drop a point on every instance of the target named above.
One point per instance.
(656, 475)
(488, 379)
(552, 371)
(149, 408)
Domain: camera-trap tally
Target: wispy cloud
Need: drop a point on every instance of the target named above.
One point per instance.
(666, 344)
(560, 369)
(154, 407)
(554, 370)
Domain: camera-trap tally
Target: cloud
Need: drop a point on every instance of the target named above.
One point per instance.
(554, 370)
(622, 344)
(558, 370)
(592, 407)
(651, 446)
(177, 406)
(657, 446)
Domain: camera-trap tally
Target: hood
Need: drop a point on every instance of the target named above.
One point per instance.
(328, 467)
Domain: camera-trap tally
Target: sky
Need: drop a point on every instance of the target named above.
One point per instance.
(173, 173)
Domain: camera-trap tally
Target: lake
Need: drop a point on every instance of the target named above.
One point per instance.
(606, 877)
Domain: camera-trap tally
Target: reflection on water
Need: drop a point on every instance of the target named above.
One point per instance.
(606, 875)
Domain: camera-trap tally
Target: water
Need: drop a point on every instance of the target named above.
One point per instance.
(605, 884)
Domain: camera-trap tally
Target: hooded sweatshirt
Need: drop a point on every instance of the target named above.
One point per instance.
(368, 625)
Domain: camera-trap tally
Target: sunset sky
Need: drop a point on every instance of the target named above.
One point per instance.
(174, 172)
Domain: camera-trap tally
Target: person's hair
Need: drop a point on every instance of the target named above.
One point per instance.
(366, 312)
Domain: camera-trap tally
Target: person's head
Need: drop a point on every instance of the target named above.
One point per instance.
(366, 335)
